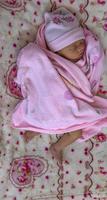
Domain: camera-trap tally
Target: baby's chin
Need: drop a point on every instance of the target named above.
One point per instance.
(76, 60)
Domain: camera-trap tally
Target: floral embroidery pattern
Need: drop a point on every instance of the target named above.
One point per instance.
(12, 88)
(59, 20)
(105, 26)
(101, 22)
(101, 137)
(101, 2)
(23, 170)
(12, 4)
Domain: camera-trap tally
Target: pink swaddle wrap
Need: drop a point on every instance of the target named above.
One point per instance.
(60, 96)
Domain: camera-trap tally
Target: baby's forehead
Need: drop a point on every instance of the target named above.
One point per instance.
(73, 45)
(77, 42)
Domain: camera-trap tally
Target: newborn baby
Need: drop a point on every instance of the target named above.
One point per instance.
(59, 76)
(74, 52)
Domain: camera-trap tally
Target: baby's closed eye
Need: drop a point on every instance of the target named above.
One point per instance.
(73, 48)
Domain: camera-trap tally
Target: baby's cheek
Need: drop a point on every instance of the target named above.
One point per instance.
(68, 55)
(75, 54)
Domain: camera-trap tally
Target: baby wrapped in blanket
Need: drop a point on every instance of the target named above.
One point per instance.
(59, 76)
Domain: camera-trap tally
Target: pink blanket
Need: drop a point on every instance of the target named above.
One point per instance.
(60, 96)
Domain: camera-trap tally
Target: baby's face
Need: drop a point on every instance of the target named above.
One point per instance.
(74, 51)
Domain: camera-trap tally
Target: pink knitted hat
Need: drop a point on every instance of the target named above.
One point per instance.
(62, 28)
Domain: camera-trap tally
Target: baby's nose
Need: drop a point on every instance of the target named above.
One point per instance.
(80, 48)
